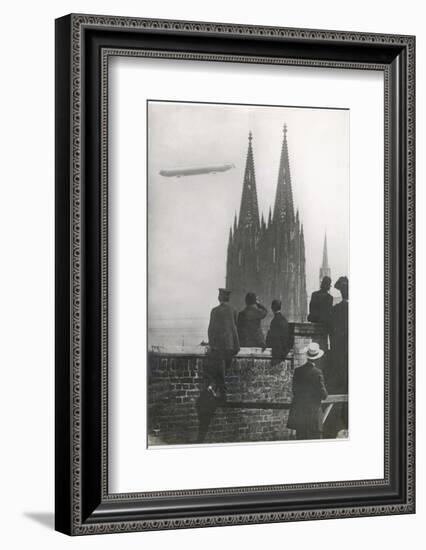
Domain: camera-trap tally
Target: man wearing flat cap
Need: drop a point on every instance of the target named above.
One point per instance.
(223, 343)
(249, 323)
(308, 391)
(278, 337)
(321, 304)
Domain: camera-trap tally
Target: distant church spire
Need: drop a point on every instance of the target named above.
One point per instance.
(325, 270)
(249, 210)
(283, 209)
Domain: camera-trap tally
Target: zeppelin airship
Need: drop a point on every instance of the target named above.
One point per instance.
(194, 171)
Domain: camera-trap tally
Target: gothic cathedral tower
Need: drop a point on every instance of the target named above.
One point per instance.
(242, 267)
(268, 258)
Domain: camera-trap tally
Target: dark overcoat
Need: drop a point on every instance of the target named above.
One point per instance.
(320, 308)
(222, 330)
(249, 326)
(337, 372)
(278, 337)
(308, 392)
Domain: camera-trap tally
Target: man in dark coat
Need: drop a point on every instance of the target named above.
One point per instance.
(337, 369)
(308, 391)
(223, 342)
(321, 304)
(249, 323)
(278, 337)
(339, 340)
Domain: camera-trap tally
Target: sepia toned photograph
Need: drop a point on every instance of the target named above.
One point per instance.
(248, 273)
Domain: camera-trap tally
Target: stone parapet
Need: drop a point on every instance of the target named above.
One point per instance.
(177, 376)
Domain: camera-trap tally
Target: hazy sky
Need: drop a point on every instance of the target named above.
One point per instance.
(189, 217)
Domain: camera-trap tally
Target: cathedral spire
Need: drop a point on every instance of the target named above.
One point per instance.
(325, 270)
(283, 209)
(249, 211)
(325, 253)
(265, 254)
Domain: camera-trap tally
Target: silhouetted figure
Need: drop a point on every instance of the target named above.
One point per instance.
(308, 391)
(249, 323)
(223, 342)
(321, 304)
(278, 337)
(205, 406)
(337, 369)
(338, 378)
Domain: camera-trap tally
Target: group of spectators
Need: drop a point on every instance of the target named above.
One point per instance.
(228, 332)
(333, 371)
(335, 320)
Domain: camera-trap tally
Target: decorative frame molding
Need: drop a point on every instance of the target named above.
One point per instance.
(84, 43)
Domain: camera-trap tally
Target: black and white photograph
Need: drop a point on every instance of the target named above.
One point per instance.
(189, 190)
(247, 273)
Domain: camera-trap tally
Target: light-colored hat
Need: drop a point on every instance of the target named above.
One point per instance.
(313, 351)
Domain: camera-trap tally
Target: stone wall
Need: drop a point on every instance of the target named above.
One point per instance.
(176, 378)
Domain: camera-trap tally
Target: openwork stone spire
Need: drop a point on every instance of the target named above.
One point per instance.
(283, 209)
(249, 211)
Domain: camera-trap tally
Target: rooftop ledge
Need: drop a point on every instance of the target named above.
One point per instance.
(301, 330)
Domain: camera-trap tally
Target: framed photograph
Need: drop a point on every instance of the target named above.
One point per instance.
(217, 188)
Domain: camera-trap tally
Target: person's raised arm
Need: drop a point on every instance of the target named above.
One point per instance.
(262, 311)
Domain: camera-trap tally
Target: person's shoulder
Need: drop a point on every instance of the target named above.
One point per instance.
(329, 300)
(278, 319)
(316, 371)
(228, 308)
(310, 367)
(302, 368)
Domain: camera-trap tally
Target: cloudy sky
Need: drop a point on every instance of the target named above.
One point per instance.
(189, 217)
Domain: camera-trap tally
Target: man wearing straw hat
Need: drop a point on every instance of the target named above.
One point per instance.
(308, 392)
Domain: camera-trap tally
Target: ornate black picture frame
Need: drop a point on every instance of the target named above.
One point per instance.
(84, 44)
